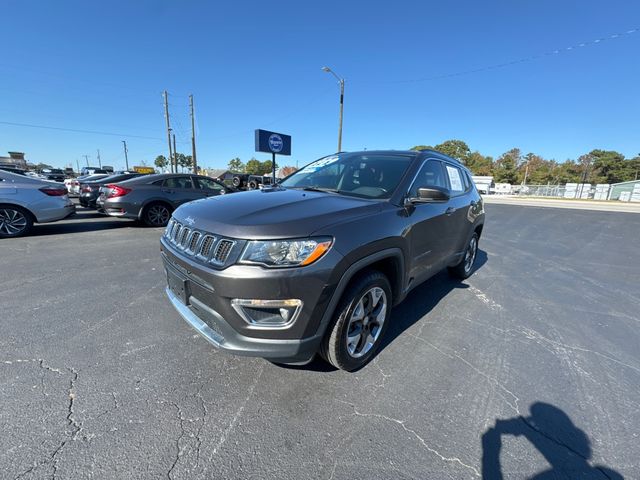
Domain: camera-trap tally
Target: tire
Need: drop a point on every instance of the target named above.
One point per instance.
(237, 182)
(14, 221)
(369, 297)
(157, 214)
(464, 269)
(253, 185)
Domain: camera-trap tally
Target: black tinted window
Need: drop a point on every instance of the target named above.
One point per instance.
(178, 182)
(430, 175)
(208, 184)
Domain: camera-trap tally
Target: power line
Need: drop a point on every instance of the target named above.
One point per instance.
(512, 62)
(94, 132)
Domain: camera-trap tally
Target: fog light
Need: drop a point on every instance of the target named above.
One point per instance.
(268, 313)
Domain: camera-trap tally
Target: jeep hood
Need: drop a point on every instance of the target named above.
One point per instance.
(266, 214)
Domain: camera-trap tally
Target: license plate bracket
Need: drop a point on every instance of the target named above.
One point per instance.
(178, 285)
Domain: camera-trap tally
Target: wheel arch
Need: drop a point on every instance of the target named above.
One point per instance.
(389, 261)
(21, 207)
(153, 201)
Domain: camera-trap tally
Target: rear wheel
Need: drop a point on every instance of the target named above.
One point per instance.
(355, 334)
(464, 269)
(157, 215)
(14, 221)
(237, 182)
(253, 185)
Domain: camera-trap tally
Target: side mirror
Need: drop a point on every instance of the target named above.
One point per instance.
(431, 194)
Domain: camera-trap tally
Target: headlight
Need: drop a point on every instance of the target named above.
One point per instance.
(285, 253)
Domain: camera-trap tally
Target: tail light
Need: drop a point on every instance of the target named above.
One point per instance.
(53, 191)
(117, 191)
(86, 189)
(75, 183)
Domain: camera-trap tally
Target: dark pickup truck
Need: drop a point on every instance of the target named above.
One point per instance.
(315, 263)
(53, 174)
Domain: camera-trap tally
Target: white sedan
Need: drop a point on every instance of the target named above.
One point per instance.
(73, 186)
(25, 201)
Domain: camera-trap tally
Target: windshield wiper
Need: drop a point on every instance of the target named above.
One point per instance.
(321, 189)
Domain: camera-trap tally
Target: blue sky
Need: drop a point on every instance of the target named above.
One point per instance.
(102, 66)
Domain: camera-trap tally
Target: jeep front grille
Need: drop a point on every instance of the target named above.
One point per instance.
(222, 251)
(201, 245)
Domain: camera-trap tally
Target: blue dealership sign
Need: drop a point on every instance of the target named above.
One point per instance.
(272, 142)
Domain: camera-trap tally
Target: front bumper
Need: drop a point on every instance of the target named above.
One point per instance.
(202, 296)
(224, 337)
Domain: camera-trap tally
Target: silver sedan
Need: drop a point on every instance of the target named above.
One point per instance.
(25, 201)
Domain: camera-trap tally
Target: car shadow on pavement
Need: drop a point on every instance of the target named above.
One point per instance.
(417, 304)
(565, 447)
(83, 221)
(423, 299)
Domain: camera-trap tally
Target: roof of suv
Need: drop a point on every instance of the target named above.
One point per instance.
(414, 153)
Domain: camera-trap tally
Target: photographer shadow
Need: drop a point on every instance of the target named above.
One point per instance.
(565, 447)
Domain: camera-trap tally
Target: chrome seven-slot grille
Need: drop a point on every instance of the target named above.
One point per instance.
(198, 244)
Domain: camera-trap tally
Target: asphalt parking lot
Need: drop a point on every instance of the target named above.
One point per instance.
(530, 367)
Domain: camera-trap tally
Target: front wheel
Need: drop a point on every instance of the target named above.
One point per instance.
(464, 269)
(157, 215)
(360, 321)
(14, 221)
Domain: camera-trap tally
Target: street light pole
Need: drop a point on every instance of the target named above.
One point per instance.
(126, 156)
(341, 81)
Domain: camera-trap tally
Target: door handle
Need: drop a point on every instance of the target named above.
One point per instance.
(449, 210)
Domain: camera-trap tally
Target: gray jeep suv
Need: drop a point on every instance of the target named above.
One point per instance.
(315, 264)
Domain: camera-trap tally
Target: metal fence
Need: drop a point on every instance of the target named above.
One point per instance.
(625, 192)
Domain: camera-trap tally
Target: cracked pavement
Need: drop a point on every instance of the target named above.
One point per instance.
(531, 366)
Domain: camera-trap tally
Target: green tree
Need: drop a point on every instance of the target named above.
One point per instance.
(267, 166)
(506, 167)
(454, 148)
(479, 164)
(421, 147)
(253, 167)
(236, 165)
(161, 162)
(184, 161)
(609, 166)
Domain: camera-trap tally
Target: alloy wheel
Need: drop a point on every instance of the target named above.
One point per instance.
(365, 324)
(158, 215)
(12, 222)
(470, 254)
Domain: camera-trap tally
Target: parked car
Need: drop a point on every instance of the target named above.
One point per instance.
(250, 182)
(25, 200)
(90, 188)
(92, 170)
(73, 186)
(152, 198)
(53, 174)
(315, 264)
(11, 169)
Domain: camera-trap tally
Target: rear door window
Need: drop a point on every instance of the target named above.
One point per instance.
(208, 184)
(178, 182)
(455, 180)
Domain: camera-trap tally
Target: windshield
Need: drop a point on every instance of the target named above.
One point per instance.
(364, 175)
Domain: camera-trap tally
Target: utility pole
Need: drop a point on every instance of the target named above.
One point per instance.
(165, 95)
(126, 157)
(171, 165)
(193, 137)
(78, 165)
(86, 159)
(341, 112)
(175, 153)
(99, 161)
